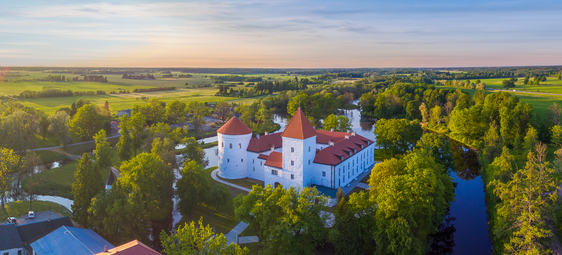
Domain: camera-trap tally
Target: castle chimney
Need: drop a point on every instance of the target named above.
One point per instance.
(348, 131)
(258, 136)
(266, 133)
(272, 148)
(331, 129)
(353, 133)
(105, 248)
(347, 137)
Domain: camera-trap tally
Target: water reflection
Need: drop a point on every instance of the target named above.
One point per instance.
(444, 240)
(466, 162)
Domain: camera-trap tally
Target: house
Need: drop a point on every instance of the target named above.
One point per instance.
(114, 126)
(124, 112)
(70, 240)
(32, 232)
(10, 241)
(131, 248)
(299, 156)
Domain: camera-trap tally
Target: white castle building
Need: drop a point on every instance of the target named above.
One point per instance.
(299, 156)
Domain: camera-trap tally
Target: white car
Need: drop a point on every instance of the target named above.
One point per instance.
(12, 220)
(31, 215)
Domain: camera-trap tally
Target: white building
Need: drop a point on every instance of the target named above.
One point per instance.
(299, 156)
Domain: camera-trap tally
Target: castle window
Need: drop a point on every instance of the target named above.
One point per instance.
(261, 163)
(241, 160)
(292, 149)
(339, 171)
(292, 176)
(348, 174)
(323, 173)
(274, 172)
(253, 161)
(309, 162)
(228, 160)
(309, 148)
(239, 145)
(254, 168)
(292, 163)
(222, 144)
(230, 146)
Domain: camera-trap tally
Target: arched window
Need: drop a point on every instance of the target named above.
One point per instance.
(227, 160)
(230, 146)
(239, 145)
(309, 148)
(241, 160)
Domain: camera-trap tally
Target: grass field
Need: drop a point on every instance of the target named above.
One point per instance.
(9, 88)
(20, 208)
(551, 85)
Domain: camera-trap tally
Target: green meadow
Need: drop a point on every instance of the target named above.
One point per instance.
(551, 85)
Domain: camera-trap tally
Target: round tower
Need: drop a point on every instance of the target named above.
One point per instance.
(233, 138)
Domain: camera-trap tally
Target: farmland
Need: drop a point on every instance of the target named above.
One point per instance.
(194, 91)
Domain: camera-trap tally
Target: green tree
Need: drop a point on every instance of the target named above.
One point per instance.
(59, 125)
(435, 115)
(530, 139)
(88, 184)
(199, 111)
(468, 124)
(222, 110)
(193, 151)
(556, 135)
(154, 179)
(87, 122)
(218, 196)
(492, 143)
(412, 195)
(175, 111)
(135, 125)
(192, 187)
(201, 240)
(396, 136)
(527, 201)
(347, 228)
(413, 110)
(7, 167)
(29, 162)
(288, 221)
(338, 123)
(125, 145)
(103, 150)
(44, 125)
(153, 111)
(424, 112)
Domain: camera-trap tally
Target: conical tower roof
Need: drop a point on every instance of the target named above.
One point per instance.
(299, 127)
(234, 127)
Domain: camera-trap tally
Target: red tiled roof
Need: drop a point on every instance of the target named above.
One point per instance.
(299, 127)
(275, 159)
(131, 248)
(263, 156)
(331, 155)
(324, 136)
(234, 127)
(265, 142)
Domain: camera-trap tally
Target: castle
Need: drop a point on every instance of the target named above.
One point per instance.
(299, 156)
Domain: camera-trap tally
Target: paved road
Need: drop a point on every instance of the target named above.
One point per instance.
(216, 178)
(235, 232)
(526, 92)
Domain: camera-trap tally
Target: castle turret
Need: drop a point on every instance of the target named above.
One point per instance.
(233, 139)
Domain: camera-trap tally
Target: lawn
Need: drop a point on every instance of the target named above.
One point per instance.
(20, 208)
(222, 218)
(244, 182)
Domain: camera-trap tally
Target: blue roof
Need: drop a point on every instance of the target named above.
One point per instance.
(70, 240)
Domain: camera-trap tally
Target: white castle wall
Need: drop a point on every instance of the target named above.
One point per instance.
(233, 156)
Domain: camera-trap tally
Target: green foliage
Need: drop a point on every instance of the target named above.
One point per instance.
(396, 136)
(288, 220)
(8, 165)
(347, 229)
(527, 201)
(59, 126)
(88, 184)
(175, 111)
(192, 240)
(88, 121)
(153, 178)
(193, 151)
(411, 196)
(556, 135)
(199, 111)
(424, 112)
(492, 143)
(508, 84)
(338, 123)
(439, 147)
(153, 111)
(120, 215)
(435, 115)
(223, 112)
(103, 150)
(530, 139)
(468, 123)
(218, 196)
(124, 146)
(192, 187)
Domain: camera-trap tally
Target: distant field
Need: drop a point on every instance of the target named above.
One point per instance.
(122, 101)
(551, 85)
(540, 103)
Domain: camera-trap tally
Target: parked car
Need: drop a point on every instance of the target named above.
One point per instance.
(12, 220)
(31, 215)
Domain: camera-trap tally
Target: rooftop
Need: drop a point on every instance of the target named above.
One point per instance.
(342, 149)
(131, 248)
(234, 127)
(275, 159)
(9, 237)
(299, 127)
(71, 240)
(265, 142)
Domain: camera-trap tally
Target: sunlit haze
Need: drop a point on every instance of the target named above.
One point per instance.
(280, 34)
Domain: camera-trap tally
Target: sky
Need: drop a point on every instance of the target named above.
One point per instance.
(280, 34)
